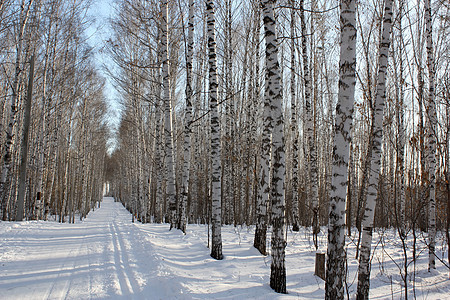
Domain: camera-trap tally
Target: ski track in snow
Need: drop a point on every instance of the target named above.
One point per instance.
(108, 257)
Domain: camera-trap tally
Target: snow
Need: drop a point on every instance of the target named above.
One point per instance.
(108, 257)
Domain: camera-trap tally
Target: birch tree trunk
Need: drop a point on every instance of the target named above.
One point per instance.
(349, 199)
(263, 178)
(170, 165)
(188, 119)
(372, 197)
(311, 157)
(420, 209)
(334, 288)
(84, 154)
(43, 136)
(273, 94)
(431, 134)
(228, 166)
(24, 146)
(66, 159)
(7, 158)
(401, 128)
(294, 129)
(216, 217)
(158, 165)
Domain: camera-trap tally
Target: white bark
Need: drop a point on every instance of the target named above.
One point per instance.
(263, 178)
(188, 118)
(372, 195)
(5, 178)
(342, 137)
(24, 146)
(84, 175)
(273, 94)
(42, 136)
(168, 131)
(157, 147)
(229, 165)
(401, 127)
(264, 166)
(431, 134)
(294, 129)
(216, 209)
(311, 156)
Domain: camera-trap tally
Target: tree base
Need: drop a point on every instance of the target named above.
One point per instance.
(216, 252)
(363, 286)
(278, 279)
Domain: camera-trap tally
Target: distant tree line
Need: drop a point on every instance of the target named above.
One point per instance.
(52, 154)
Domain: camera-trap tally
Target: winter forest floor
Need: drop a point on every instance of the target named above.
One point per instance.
(108, 257)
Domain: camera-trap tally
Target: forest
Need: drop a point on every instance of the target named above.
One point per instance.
(282, 115)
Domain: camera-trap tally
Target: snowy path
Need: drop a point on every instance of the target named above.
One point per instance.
(105, 256)
(108, 257)
(47, 260)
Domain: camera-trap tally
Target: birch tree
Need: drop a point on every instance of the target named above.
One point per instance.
(334, 288)
(263, 191)
(188, 118)
(400, 124)
(24, 146)
(310, 149)
(372, 196)
(431, 135)
(263, 163)
(5, 179)
(158, 165)
(48, 80)
(216, 215)
(168, 131)
(294, 128)
(273, 92)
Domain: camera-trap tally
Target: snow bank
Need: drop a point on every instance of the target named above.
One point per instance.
(108, 257)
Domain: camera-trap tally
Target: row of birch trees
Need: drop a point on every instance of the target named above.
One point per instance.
(53, 136)
(286, 114)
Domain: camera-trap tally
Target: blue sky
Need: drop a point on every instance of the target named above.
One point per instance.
(98, 33)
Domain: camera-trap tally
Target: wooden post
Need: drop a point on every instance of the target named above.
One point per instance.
(320, 265)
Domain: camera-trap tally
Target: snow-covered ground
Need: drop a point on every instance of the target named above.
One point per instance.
(108, 257)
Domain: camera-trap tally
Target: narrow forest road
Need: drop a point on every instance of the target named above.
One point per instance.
(105, 256)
